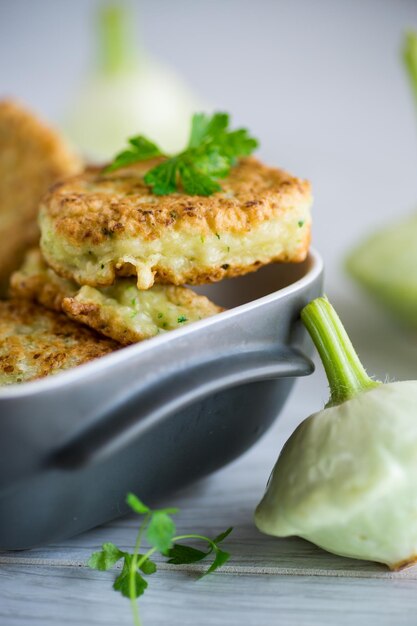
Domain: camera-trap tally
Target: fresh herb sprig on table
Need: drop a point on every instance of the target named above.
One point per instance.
(159, 529)
(211, 152)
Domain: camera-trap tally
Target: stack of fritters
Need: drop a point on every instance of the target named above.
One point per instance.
(34, 342)
(32, 157)
(115, 257)
(120, 311)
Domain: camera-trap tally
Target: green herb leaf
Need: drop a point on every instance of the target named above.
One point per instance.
(238, 144)
(122, 582)
(169, 510)
(211, 151)
(219, 560)
(204, 127)
(140, 149)
(163, 177)
(137, 505)
(195, 183)
(180, 554)
(160, 531)
(223, 535)
(182, 319)
(148, 567)
(106, 558)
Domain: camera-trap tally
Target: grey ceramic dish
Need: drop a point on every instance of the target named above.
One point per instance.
(154, 416)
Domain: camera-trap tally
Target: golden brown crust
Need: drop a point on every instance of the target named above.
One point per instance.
(97, 227)
(35, 342)
(91, 314)
(16, 238)
(35, 281)
(91, 208)
(32, 157)
(193, 276)
(105, 321)
(203, 276)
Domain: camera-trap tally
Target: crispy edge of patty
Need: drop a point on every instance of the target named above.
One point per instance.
(35, 342)
(100, 309)
(91, 207)
(89, 220)
(32, 157)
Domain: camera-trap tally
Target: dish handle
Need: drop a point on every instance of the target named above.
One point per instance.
(170, 390)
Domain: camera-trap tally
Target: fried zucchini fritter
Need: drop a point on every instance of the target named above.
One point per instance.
(121, 311)
(32, 157)
(96, 227)
(35, 342)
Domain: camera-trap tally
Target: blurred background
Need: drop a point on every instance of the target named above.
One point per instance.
(320, 82)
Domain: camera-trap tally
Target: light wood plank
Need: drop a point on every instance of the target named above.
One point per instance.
(42, 596)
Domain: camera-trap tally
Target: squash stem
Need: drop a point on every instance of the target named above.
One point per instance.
(116, 50)
(345, 373)
(410, 59)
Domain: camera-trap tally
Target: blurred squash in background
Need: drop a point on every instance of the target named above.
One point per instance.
(385, 263)
(127, 94)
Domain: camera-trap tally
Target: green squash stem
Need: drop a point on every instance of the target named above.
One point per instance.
(116, 47)
(345, 373)
(410, 59)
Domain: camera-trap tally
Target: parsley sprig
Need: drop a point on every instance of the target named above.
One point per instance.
(158, 528)
(211, 152)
